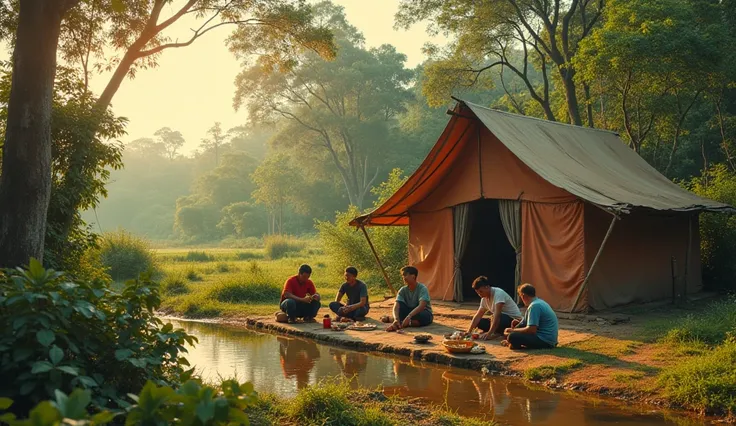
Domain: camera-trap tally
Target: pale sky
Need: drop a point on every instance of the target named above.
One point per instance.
(193, 86)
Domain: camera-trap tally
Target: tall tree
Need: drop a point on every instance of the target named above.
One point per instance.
(489, 33)
(215, 140)
(171, 140)
(341, 109)
(135, 32)
(25, 183)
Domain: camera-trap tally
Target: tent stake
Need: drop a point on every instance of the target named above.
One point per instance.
(595, 260)
(378, 260)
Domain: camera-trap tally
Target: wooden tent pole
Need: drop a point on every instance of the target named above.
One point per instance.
(592, 265)
(378, 260)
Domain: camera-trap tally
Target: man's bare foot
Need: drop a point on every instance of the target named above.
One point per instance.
(282, 317)
(386, 319)
(345, 319)
(504, 343)
(393, 327)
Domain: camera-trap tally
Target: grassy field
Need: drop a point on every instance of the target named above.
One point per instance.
(216, 282)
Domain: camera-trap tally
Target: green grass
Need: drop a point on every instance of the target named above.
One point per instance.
(240, 282)
(333, 402)
(547, 372)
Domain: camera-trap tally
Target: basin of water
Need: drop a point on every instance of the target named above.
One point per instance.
(283, 365)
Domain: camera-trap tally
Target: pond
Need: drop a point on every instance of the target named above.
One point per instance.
(283, 365)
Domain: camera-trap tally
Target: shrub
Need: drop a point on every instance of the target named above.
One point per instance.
(346, 245)
(124, 255)
(717, 231)
(246, 288)
(174, 285)
(74, 334)
(278, 246)
(226, 267)
(326, 403)
(192, 403)
(198, 256)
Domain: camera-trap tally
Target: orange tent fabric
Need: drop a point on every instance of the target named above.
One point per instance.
(571, 181)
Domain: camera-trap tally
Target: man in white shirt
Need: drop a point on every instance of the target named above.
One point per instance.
(505, 311)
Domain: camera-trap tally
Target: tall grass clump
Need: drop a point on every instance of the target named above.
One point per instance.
(246, 288)
(174, 285)
(197, 256)
(709, 326)
(124, 255)
(325, 403)
(279, 246)
(706, 383)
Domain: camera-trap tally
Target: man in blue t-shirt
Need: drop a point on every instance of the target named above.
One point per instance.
(357, 292)
(538, 329)
(412, 307)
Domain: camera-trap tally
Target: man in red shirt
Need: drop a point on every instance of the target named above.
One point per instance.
(299, 299)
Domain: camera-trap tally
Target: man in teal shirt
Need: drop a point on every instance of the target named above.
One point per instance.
(412, 307)
(538, 329)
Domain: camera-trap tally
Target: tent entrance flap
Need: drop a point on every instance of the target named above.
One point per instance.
(488, 251)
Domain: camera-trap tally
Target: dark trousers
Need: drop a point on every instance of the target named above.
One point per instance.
(425, 317)
(485, 324)
(527, 340)
(296, 309)
(358, 313)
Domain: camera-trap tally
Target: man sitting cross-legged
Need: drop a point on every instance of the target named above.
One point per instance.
(538, 329)
(412, 307)
(357, 292)
(299, 298)
(499, 303)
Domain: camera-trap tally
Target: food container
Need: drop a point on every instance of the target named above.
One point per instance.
(327, 322)
(458, 346)
(422, 338)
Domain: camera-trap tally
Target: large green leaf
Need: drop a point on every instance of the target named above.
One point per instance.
(68, 369)
(123, 354)
(56, 355)
(41, 367)
(45, 337)
(5, 403)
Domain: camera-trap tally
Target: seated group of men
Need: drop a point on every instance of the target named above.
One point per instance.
(537, 328)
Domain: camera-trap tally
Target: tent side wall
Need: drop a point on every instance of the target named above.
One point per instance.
(553, 251)
(635, 265)
(431, 250)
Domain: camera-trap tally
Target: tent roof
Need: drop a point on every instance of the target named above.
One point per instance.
(592, 164)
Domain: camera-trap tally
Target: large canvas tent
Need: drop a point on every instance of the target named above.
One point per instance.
(569, 209)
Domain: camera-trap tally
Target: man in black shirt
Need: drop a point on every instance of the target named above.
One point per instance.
(357, 292)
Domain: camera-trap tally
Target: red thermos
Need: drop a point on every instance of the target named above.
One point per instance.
(327, 322)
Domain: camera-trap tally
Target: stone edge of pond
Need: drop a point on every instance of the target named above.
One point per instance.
(493, 366)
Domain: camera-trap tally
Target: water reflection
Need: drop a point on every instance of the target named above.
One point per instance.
(283, 365)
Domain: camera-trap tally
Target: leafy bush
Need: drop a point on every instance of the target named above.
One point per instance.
(717, 231)
(124, 255)
(346, 245)
(246, 288)
(191, 404)
(174, 285)
(278, 246)
(248, 255)
(326, 403)
(197, 256)
(223, 267)
(62, 334)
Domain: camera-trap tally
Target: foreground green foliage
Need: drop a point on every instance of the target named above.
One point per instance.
(61, 334)
(191, 404)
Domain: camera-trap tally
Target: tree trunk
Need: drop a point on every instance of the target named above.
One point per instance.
(25, 183)
(571, 95)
